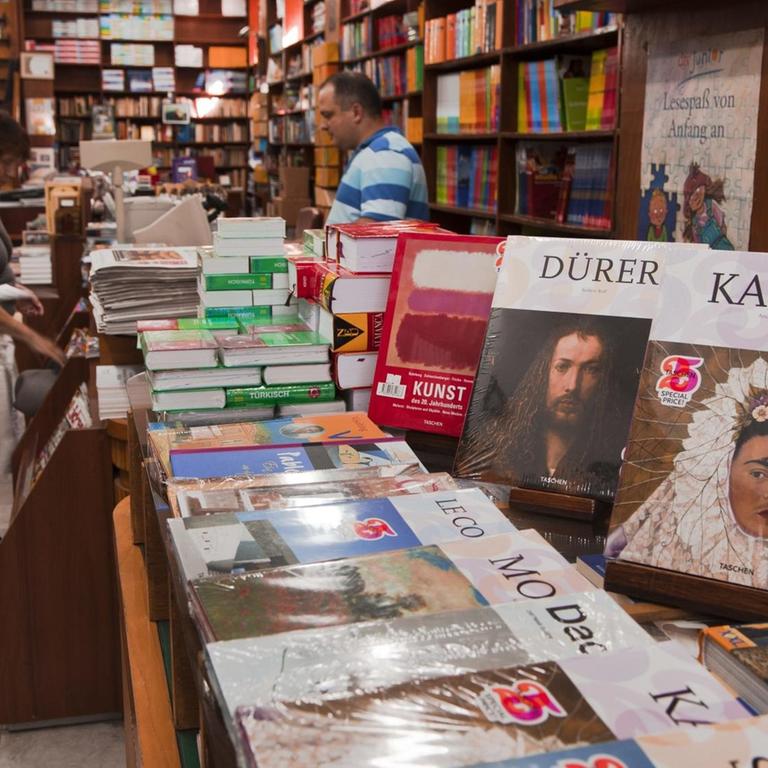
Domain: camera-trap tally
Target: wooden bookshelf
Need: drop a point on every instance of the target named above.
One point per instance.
(506, 140)
(652, 22)
(208, 30)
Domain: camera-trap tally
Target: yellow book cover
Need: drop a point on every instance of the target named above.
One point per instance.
(596, 90)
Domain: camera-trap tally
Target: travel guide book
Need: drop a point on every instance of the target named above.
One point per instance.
(486, 716)
(293, 430)
(237, 542)
(557, 378)
(466, 573)
(323, 664)
(195, 496)
(738, 655)
(268, 459)
(437, 314)
(692, 496)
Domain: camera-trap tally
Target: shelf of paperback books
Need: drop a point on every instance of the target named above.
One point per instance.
(60, 645)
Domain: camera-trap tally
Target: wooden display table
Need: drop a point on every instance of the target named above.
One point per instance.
(150, 738)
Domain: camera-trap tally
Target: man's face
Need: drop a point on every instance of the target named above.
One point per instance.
(342, 124)
(574, 373)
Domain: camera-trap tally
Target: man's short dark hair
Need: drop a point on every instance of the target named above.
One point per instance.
(13, 138)
(355, 88)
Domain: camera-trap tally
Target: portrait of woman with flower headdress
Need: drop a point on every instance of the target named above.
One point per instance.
(693, 495)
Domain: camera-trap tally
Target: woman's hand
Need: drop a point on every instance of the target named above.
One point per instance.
(46, 347)
(30, 306)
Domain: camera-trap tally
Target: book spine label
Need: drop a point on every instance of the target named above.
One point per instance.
(288, 393)
(234, 282)
(268, 264)
(248, 312)
(357, 332)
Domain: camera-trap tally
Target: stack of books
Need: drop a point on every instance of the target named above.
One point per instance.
(35, 264)
(134, 283)
(468, 102)
(344, 297)
(245, 272)
(538, 20)
(110, 389)
(467, 176)
(473, 30)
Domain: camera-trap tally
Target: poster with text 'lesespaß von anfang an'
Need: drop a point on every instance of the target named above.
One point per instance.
(699, 132)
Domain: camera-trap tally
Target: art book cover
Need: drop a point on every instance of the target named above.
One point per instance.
(166, 341)
(491, 715)
(189, 497)
(290, 430)
(250, 598)
(613, 754)
(434, 328)
(699, 138)
(558, 374)
(237, 542)
(692, 496)
(444, 723)
(732, 744)
(331, 663)
(268, 459)
(390, 585)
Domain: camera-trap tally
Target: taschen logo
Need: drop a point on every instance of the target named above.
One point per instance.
(523, 703)
(500, 248)
(373, 528)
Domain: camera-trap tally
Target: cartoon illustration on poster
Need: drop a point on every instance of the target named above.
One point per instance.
(699, 134)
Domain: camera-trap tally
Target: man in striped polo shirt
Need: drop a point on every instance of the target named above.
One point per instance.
(384, 178)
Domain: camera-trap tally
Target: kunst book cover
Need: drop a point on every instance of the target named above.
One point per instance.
(559, 370)
(699, 138)
(694, 488)
(437, 313)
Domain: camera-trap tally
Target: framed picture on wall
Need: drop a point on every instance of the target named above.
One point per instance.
(37, 65)
(176, 112)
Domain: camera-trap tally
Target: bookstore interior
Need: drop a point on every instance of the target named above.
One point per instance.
(330, 444)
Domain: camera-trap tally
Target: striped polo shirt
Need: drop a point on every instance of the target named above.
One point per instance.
(384, 180)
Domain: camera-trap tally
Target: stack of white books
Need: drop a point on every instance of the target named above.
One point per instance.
(35, 264)
(111, 390)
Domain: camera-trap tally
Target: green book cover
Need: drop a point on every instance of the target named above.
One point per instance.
(257, 313)
(208, 324)
(268, 264)
(575, 96)
(249, 325)
(282, 393)
(235, 282)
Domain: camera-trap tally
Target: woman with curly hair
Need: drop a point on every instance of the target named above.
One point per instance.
(704, 218)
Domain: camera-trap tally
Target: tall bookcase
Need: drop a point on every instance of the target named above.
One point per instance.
(499, 149)
(219, 127)
(386, 42)
(650, 21)
(301, 43)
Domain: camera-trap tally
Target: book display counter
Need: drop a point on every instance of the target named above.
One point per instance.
(60, 653)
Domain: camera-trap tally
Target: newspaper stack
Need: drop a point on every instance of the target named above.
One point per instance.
(132, 283)
(35, 264)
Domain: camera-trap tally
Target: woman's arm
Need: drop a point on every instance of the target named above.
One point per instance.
(25, 334)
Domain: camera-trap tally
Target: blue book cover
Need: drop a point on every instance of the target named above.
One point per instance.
(612, 754)
(264, 460)
(253, 539)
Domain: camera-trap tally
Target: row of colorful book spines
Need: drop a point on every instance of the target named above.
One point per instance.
(389, 73)
(540, 103)
(586, 207)
(466, 33)
(537, 21)
(476, 189)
